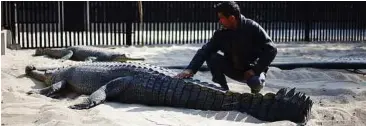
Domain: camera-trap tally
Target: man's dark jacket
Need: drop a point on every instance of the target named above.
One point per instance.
(248, 47)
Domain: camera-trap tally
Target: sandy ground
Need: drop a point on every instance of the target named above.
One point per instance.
(339, 95)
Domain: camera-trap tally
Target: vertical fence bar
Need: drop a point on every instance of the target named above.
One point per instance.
(25, 27)
(34, 27)
(103, 23)
(137, 28)
(270, 20)
(284, 21)
(326, 22)
(199, 29)
(188, 25)
(158, 24)
(147, 21)
(168, 22)
(18, 22)
(354, 14)
(128, 30)
(60, 24)
(58, 33)
(294, 22)
(317, 28)
(178, 24)
(182, 24)
(77, 34)
(338, 23)
(320, 22)
(41, 23)
(332, 23)
(288, 18)
(107, 23)
(193, 23)
(54, 33)
(153, 33)
(341, 22)
(206, 20)
(346, 16)
(49, 22)
(98, 22)
(165, 22)
(349, 16)
(46, 20)
(22, 23)
(115, 10)
(35, 16)
(31, 22)
(359, 22)
(93, 20)
(119, 25)
(309, 18)
(211, 18)
(277, 22)
(185, 22)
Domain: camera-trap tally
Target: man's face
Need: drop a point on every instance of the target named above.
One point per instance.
(227, 22)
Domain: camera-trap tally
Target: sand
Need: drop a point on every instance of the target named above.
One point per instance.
(339, 95)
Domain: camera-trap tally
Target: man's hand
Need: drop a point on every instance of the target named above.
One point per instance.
(248, 74)
(185, 74)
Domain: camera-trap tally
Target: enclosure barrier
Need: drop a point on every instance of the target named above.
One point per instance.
(116, 23)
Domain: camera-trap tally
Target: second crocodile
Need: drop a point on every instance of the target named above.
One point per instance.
(84, 53)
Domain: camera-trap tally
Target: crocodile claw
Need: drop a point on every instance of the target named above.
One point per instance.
(84, 105)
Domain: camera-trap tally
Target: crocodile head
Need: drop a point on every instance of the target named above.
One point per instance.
(123, 58)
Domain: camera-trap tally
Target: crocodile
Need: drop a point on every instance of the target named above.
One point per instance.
(141, 83)
(83, 53)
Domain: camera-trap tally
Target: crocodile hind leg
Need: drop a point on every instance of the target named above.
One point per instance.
(49, 91)
(111, 89)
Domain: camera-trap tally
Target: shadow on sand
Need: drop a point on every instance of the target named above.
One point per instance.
(217, 115)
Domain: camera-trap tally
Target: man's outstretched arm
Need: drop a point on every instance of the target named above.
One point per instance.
(204, 52)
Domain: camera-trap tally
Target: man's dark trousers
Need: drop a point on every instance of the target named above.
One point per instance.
(220, 67)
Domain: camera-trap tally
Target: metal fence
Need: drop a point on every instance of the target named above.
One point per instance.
(61, 24)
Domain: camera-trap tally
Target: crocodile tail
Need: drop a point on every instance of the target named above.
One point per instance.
(284, 105)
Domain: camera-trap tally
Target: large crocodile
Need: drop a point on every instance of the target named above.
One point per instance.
(155, 86)
(83, 53)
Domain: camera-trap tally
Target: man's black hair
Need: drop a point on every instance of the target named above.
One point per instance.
(228, 8)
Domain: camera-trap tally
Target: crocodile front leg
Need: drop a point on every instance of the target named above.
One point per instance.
(51, 90)
(111, 89)
(68, 55)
